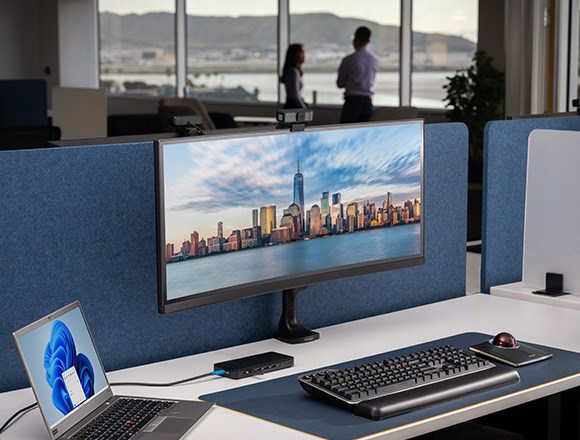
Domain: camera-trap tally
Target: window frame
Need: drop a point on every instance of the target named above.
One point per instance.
(283, 39)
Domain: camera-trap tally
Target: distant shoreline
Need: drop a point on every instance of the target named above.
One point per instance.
(303, 239)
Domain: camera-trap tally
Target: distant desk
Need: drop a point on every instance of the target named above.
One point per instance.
(255, 120)
(537, 323)
(518, 291)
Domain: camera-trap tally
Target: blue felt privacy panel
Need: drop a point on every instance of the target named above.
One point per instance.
(504, 194)
(442, 276)
(79, 223)
(23, 102)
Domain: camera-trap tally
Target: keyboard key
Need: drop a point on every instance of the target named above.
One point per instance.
(123, 419)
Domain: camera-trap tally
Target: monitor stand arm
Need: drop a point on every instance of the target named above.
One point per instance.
(289, 328)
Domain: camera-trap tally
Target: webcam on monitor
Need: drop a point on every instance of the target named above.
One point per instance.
(187, 125)
(295, 119)
(291, 116)
(179, 121)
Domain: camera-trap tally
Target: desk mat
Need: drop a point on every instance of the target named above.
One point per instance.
(283, 401)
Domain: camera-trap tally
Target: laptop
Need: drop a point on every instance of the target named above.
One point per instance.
(74, 395)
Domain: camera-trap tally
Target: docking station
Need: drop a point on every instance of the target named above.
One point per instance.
(254, 365)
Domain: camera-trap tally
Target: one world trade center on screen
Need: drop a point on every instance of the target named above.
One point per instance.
(299, 194)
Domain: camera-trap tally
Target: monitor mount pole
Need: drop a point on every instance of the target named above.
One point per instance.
(289, 328)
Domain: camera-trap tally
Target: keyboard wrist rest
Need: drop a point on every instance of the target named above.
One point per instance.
(398, 403)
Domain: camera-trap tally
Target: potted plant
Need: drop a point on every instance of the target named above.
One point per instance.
(475, 96)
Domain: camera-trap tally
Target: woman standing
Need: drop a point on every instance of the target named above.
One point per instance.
(292, 76)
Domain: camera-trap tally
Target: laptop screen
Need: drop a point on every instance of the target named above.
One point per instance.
(62, 363)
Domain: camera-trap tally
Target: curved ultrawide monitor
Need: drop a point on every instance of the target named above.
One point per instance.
(245, 214)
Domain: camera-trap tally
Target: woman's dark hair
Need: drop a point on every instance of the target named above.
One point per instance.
(291, 60)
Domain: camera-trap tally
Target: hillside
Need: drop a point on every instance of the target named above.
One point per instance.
(156, 30)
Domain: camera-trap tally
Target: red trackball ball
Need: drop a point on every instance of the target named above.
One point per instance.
(504, 339)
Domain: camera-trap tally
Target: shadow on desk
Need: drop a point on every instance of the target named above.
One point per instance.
(553, 417)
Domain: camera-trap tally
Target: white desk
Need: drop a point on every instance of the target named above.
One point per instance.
(539, 323)
(518, 291)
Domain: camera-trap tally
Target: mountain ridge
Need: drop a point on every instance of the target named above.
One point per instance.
(156, 30)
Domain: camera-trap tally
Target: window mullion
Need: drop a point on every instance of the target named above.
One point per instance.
(405, 53)
(180, 48)
(283, 37)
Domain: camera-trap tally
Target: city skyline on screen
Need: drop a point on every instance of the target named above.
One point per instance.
(224, 183)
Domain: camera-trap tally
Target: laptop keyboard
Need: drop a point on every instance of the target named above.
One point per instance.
(123, 419)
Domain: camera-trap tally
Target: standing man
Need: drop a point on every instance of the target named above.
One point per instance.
(356, 75)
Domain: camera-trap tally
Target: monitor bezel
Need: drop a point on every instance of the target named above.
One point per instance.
(302, 280)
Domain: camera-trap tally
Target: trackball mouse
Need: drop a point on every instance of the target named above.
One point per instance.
(504, 340)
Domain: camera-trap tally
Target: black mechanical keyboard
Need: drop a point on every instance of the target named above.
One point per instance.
(396, 385)
(123, 419)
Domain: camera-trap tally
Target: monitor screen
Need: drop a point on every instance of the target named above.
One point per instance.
(246, 214)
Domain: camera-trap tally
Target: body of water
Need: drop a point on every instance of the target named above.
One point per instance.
(427, 87)
(274, 262)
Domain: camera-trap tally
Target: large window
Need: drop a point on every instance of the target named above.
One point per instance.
(232, 50)
(326, 28)
(137, 41)
(444, 40)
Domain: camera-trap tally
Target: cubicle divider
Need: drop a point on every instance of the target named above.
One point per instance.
(79, 223)
(504, 189)
(80, 112)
